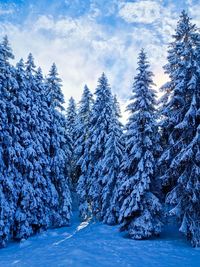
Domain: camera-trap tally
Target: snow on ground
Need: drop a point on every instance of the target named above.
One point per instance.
(96, 245)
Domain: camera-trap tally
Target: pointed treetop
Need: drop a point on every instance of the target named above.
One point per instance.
(144, 96)
(71, 109)
(103, 93)
(20, 64)
(30, 60)
(184, 17)
(53, 76)
(142, 52)
(55, 94)
(39, 74)
(5, 49)
(116, 105)
(53, 73)
(30, 65)
(184, 26)
(142, 60)
(53, 70)
(20, 71)
(72, 101)
(102, 83)
(86, 89)
(86, 94)
(85, 104)
(143, 68)
(71, 115)
(103, 78)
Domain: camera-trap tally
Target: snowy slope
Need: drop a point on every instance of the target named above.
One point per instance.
(98, 245)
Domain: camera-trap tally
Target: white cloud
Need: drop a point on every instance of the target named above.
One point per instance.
(194, 12)
(83, 49)
(160, 17)
(140, 12)
(67, 42)
(189, 2)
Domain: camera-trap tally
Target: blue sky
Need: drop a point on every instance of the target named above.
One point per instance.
(86, 37)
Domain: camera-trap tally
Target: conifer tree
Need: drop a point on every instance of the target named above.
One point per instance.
(22, 135)
(91, 161)
(71, 125)
(71, 117)
(180, 128)
(101, 125)
(140, 209)
(43, 182)
(59, 150)
(34, 150)
(81, 145)
(31, 215)
(114, 150)
(9, 149)
(83, 122)
(84, 181)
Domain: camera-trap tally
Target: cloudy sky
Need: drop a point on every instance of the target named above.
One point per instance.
(86, 37)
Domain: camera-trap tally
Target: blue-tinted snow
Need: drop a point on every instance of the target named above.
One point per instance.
(98, 245)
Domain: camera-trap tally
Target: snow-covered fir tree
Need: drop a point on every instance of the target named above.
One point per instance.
(84, 181)
(81, 145)
(101, 126)
(43, 183)
(91, 161)
(71, 116)
(59, 150)
(71, 124)
(9, 149)
(20, 225)
(180, 160)
(114, 151)
(31, 215)
(83, 122)
(140, 209)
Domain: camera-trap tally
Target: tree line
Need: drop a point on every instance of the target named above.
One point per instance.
(137, 174)
(34, 149)
(132, 175)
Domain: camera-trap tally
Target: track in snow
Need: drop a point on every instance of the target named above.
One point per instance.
(90, 244)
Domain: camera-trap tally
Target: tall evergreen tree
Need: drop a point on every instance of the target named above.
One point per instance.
(83, 122)
(81, 145)
(8, 144)
(71, 125)
(114, 150)
(71, 117)
(43, 183)
(140, 209)
(101, 125)
(84, 181)
(180, 127)
(34, 150)
(21, 136)
(59, 150)
(31, 215)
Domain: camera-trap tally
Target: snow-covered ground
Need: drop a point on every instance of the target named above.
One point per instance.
(97, 245)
